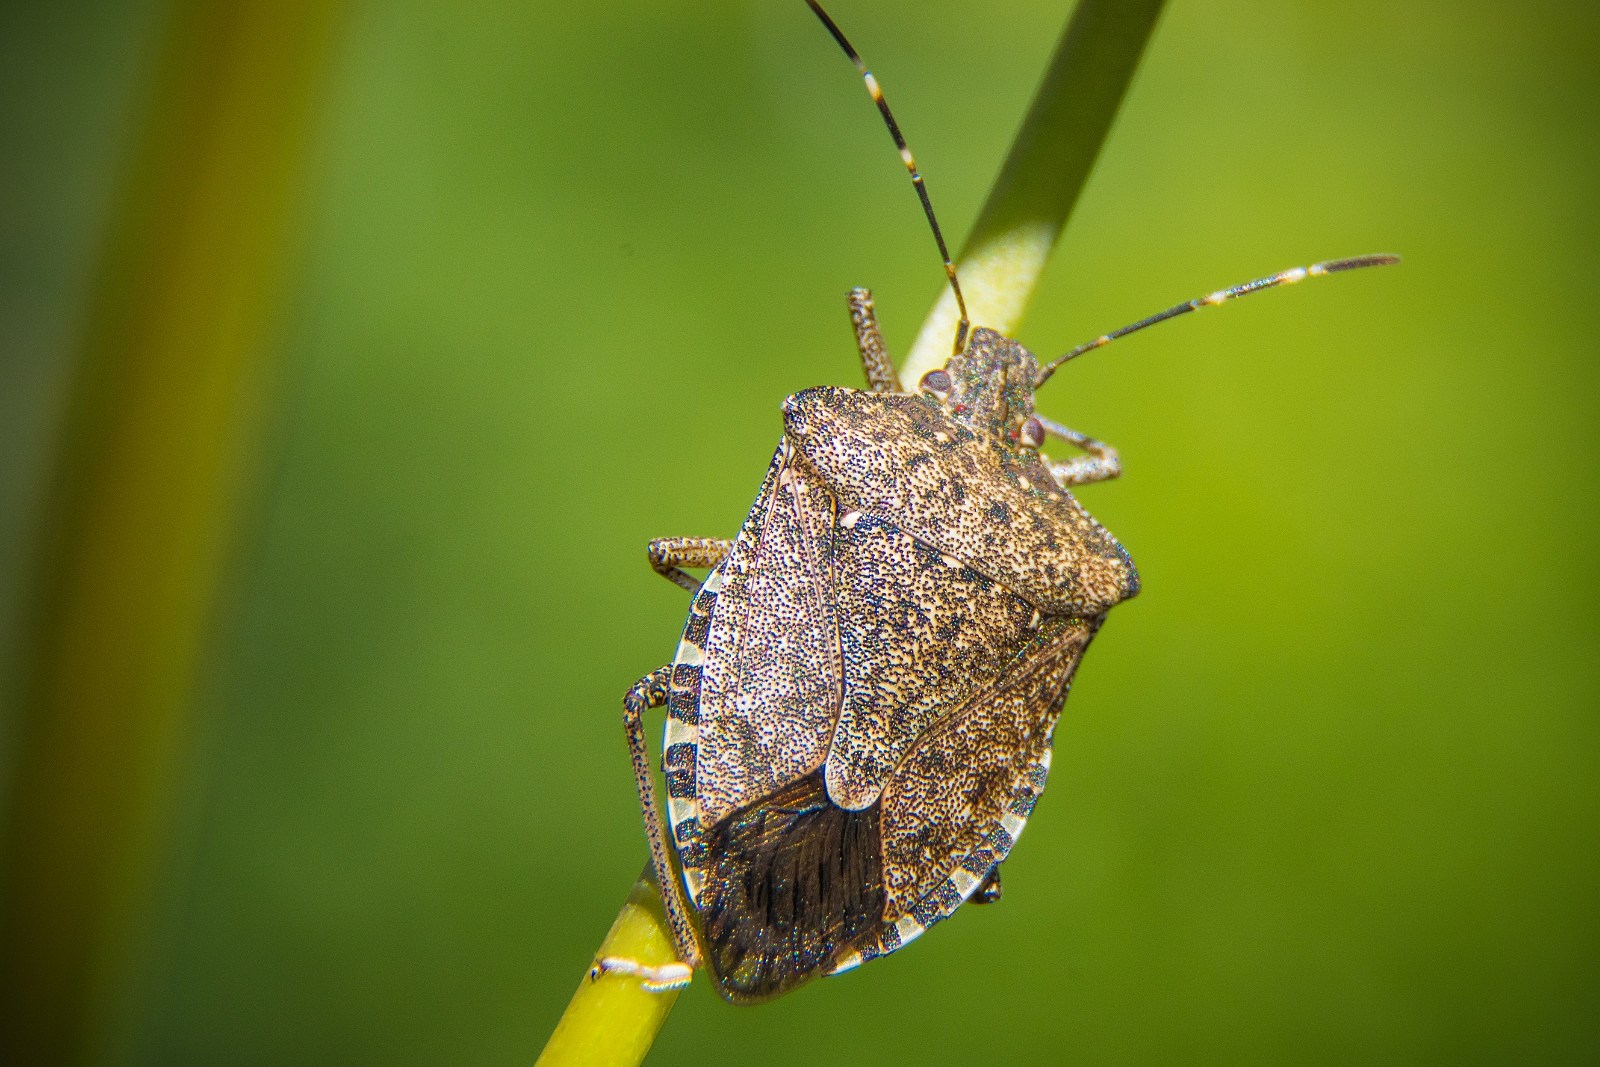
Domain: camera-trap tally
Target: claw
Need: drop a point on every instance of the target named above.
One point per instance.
(658, 979)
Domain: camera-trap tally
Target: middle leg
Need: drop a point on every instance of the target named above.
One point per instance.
(1100, 464)
(668, 554)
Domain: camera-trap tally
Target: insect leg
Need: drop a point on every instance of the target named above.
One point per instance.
(1101, 463)
(667, 554)
(651, 692)
(881, 375)
(988, 891)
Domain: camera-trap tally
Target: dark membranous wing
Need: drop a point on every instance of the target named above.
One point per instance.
(794, 884)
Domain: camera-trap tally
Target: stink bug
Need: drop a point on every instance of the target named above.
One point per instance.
(860, 710)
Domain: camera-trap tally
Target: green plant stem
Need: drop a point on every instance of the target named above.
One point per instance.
(153, 460)
(1045, 171)
(612, 1021)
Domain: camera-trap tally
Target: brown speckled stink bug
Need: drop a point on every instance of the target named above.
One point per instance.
(860, 711)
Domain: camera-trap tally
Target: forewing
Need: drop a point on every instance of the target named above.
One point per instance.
(955, 805)
(920, 633)
(769, 681)
(899, 457)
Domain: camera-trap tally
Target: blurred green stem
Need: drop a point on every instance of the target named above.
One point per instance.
(1044, 172)
(155, 449)
(611, 1021)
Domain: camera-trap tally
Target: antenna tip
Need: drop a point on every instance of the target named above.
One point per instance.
(1382, 259)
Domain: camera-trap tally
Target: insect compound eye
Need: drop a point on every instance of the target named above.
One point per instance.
(1031, 433)
(936, 383)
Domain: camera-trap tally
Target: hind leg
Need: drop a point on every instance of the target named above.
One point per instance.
(988, 891)
(651, 692)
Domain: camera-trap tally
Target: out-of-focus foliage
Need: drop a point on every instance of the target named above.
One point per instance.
(1324, 793)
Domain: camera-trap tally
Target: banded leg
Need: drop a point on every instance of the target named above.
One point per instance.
(1101, 464)
(667, 554)
(881, 375)
(651, 692)
(988, 891)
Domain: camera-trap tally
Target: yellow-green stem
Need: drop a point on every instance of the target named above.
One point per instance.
(612, 1021)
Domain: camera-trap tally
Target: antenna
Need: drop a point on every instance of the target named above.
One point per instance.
(910, 162)
(1221, 296)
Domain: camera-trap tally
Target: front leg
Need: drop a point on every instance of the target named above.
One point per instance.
(651, 692)
(1101, 464)
(667, 554)
(881, 375)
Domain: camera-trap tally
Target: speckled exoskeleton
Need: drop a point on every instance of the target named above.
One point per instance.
(861, 707)
(860, 710)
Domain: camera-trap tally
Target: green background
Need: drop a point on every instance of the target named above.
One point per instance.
(1326, 792)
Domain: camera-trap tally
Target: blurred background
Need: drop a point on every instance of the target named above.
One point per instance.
(350, 354)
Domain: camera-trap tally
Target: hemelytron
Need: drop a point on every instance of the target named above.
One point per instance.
(861, 707)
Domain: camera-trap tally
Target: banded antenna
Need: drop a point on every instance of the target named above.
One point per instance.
(911, 165)
(1221, 296)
